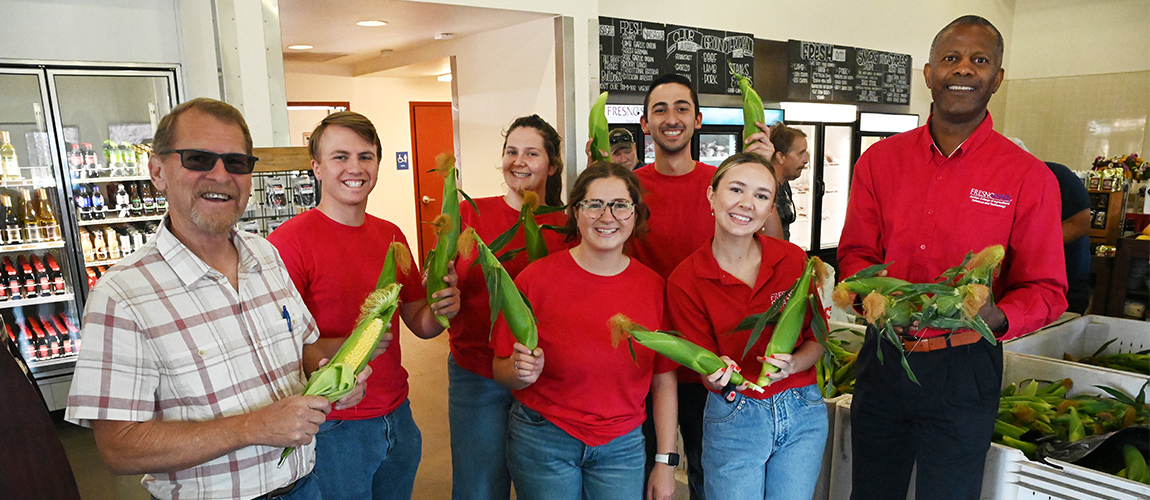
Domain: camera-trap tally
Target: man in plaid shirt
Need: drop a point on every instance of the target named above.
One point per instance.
(190, 372)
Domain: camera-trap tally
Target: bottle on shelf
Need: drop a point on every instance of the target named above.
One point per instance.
(76, 161)
(49, 227)
(148, 198)
(32, 350)
(161, 201)
(113, 242)
(135, 200)
(99, 247)
(43, 279)
(91, 164)
(56, 274)
(27, 277)
(126, 247)
(86, 245)
(112, 156)
(127, 159)
(62, 331)
(98, 207)
(123, 202)
(30, 222)
(83, 203)
(12, 280)
(8, 161)
(13, 234)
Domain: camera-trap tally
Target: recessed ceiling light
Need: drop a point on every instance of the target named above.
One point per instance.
(372, 24)
(446, 77)
(444, 36)
(300, 47)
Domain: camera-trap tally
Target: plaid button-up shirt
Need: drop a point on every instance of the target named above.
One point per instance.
(168, 337)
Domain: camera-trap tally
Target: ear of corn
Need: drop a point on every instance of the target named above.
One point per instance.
(752, 104)
(397, 259)
(790, 324)
(673, 347)
(532, 234)
(1136, 468)
(597, 130)
(336, 379)
(505, 298)
(439, 258)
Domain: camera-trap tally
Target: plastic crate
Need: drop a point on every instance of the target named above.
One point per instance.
(822, 487)
(1007, 473)
(1084, 335)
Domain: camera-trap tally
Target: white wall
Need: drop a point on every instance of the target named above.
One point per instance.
(1056, 38)
(385, 102)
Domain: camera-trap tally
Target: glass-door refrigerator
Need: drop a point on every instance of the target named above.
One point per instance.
(820, 193)
(73, 143)
(873, 127)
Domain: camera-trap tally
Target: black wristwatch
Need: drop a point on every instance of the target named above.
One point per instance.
(1002, 328)
(671, 459)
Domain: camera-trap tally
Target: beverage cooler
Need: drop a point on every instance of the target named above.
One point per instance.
(722, 133)
(820, 193)
(873, 127)
(75, 196)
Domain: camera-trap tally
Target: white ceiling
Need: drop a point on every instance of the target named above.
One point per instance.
(329, 26)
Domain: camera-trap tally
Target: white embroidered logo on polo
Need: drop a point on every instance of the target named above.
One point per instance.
(989, 198)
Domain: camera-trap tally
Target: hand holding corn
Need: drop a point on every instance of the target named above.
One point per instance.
(527, 364)
(718, 380)
(783, 362)
(446, 302)
(760, 142)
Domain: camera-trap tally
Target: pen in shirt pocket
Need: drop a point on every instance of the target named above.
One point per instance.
(288, 318)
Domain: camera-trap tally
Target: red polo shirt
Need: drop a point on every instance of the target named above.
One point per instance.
(923, 211)
(471, 328)
(705, 303)
(592, 390)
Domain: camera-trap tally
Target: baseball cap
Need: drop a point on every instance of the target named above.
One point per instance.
(620, 137)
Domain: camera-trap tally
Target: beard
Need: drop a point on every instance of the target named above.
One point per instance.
(218, 221)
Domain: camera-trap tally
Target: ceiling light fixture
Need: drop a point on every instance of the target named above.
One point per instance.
(300, 47)
(372, 24)
(444, 36)
(446, 77)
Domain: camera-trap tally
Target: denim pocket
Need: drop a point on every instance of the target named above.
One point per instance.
(526, 415)
(719, 409)
(329, 426)
(809, 394)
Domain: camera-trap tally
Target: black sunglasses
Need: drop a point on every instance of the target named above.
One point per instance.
(204, 161)
(620, 138)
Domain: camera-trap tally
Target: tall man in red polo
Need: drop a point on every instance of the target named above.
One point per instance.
(922, 200)
(675, 188)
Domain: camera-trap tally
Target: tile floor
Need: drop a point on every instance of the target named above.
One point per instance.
(426, 363)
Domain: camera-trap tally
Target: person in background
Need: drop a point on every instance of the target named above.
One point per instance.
(373, 449)
(675, 188)
(755, 445)
(574, 431)
(192, 366)
(623, 149)
(914, 201)
(790, 158)
(477, 405)
(1075, 237)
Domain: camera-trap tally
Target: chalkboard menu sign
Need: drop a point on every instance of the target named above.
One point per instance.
(633, 53)
(823, 72)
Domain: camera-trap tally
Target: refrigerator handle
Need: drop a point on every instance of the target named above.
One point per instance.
(820, 188)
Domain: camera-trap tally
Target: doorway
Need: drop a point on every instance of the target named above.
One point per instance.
(431, 134)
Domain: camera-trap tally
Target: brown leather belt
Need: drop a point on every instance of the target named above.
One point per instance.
(941, 342)
(278, 492)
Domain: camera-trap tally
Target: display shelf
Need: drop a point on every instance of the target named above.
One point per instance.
(18, 183)
(105, 180)
(25, 247)
(120, 220)
(35, 364)
(51, 299)
(97, 263)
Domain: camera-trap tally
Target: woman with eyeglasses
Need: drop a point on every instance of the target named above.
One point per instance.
(755, 445)
(575, 428)
(477, 406)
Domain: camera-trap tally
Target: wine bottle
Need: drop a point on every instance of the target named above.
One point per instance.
(8, 161)
(31, 226)
(49, 228)
(13, 235)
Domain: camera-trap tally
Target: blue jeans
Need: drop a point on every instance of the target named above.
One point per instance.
(769, 449)
(477, 408)
(373, 458)
(546, 463)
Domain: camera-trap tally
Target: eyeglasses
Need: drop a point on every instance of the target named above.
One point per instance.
(621, 137)
(620, 209)
(204, 161)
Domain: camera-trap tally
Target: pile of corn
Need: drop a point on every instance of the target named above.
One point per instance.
(1033, 412)
(835, 371)
(1137, 362)
(952, 303)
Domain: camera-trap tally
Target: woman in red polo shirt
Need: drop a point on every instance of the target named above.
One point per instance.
(769, 444)
(477, 406)
(575, 429)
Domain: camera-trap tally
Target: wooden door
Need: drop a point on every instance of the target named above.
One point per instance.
(431, 134)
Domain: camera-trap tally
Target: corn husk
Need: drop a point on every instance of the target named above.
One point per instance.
(673, 347)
